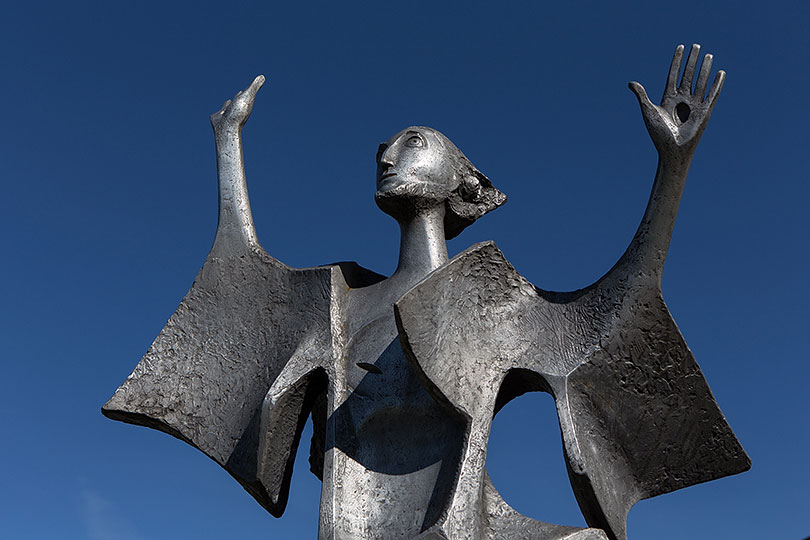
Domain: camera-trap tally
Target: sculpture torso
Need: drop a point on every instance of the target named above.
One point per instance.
(398, 486)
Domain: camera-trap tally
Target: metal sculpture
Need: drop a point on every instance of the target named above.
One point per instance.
(403, 375)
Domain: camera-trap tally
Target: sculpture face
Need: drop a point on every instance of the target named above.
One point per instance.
(414, 170)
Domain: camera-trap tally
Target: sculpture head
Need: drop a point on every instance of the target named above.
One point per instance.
(419, 169)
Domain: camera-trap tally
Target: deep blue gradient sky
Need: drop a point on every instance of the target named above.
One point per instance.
(109, 208)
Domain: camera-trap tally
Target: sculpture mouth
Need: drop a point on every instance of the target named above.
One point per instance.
(384, 179)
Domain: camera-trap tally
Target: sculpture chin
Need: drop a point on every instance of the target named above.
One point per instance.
(403, 200)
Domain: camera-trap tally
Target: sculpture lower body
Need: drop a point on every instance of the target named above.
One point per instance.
(399, 466)
(502, 522)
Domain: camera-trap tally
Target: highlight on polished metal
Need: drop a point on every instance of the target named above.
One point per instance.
(402, 375)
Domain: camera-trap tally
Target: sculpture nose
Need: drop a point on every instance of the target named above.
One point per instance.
(386, 156)
(384, 166)
(386, 159)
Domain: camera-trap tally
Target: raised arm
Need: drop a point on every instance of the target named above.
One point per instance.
(235, 227)
(675, 127)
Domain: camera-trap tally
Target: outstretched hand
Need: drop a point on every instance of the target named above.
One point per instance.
(236, 111)
(676, 125)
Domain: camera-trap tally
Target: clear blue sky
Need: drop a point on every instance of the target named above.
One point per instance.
(109, 208)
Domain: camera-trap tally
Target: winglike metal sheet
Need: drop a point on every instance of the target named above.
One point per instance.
(205, 378)
(636, 414)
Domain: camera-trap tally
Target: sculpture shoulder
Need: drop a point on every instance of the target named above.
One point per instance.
(478, 314)
(480, 275)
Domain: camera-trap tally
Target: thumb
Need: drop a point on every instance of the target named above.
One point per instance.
(641, 94)
(254, 87)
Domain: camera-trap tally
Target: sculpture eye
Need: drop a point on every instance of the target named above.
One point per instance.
(414, 141)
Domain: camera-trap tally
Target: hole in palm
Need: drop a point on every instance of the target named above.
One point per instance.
(682, 112)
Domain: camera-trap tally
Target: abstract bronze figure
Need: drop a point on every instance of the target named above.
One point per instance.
(403, 375)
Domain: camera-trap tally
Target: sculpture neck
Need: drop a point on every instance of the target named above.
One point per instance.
(422, 245)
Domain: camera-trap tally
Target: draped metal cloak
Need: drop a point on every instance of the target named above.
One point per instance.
(636, 414)
(236, 370)
(252, 346)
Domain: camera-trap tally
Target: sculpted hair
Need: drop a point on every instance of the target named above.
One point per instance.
(474, 196)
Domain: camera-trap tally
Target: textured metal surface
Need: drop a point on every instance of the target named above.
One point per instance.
(402, 399)
(636, 415)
